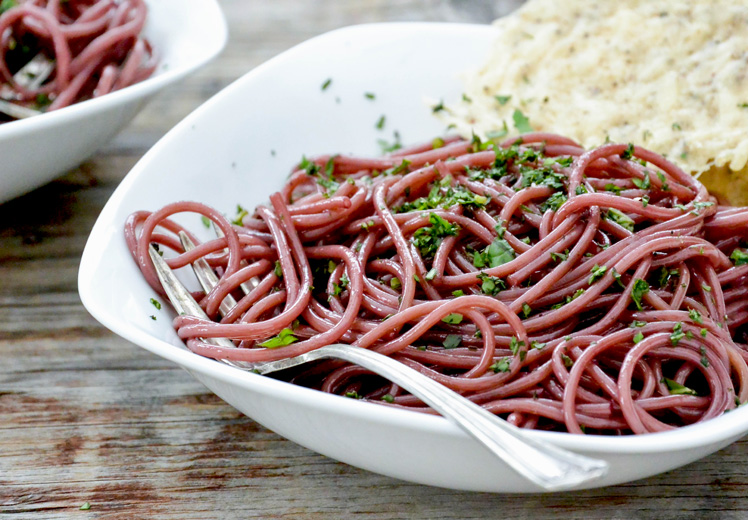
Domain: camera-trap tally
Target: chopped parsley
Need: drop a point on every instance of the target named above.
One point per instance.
(457, 293)
(628, 153)
(453, 319)
(676, 388)
(499, 252)
(491, 285)
(502, 365)
(503, 100)
(452, 341)
(638, 337)
(704, 359)
(438, 107)
(621, 219)
(326, 84)
(395, 283)
(380, 122)
(554, 202)
(238, 220)
(521, 122)
(370, 95)
(156, 303)
(278, 271)
(526, 310)
(205, 220)
(598, 271)
(739, 257)
(642, 184)
(695, 316)
(640, 289)
(515, 345)
(427, 239)
(445, 197)
(677, 334)
(388, 398)
(284, 338)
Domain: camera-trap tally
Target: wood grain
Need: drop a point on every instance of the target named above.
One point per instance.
(88, 417)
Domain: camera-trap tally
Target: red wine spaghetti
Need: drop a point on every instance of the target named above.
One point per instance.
(599, 291)
(84, 49)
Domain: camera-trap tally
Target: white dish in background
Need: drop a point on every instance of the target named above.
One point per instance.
(238, 148)
(185, 36)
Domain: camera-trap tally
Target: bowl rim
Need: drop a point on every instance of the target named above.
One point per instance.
(715, 430)
(161, 77)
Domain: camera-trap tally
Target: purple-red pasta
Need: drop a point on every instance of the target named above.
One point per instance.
(81, 48)
(599, 291)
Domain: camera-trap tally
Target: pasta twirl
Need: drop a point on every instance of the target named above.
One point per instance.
(598, 291)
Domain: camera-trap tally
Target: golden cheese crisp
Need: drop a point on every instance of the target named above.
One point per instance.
(671, 75)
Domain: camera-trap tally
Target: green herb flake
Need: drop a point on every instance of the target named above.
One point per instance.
(707, 288)
(380, 122)
(326, 84)
(613, 188)
(387, 398)
(598, 271)
(704, 360)
(739, 257)
(568, 362)
(491, 285)
(621, 219)
(676, 126)
(695, 316)
(521, 122)
(676, 388)
(284, 338)
(153, 317)
(452, 341)
(515, 345)
(438, 142)
(640, 289)
(453, 319)
(663, 181)
(395, 283)
(645, 201)
(526, 310)
(278, 271)
(499, 252)
(642, 184)
(86, 505)
(438, 107)
(431, 274)
(638, 323)
(238, 220)
(502, 365)
(677, 334)
(428, 238)
(206, 221)
(638, 337)
(628, 153)
(466, 98)
(353, 395)
(370, 95)
(156, 303)
(503, 100)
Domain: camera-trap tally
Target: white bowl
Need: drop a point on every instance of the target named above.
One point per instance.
(221, 154)
(185, 35)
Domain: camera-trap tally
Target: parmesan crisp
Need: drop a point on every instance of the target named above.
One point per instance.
(669, 75)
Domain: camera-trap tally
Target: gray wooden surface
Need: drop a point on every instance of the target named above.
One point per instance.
(88, 417)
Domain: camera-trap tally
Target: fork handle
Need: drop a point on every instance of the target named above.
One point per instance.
(546, 465)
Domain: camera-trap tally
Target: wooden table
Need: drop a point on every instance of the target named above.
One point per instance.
(86, 417)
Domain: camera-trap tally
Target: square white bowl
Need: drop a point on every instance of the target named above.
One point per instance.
(238, 148)
(185, 36)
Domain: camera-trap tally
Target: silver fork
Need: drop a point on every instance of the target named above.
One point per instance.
(30, 76)
(548, 466)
